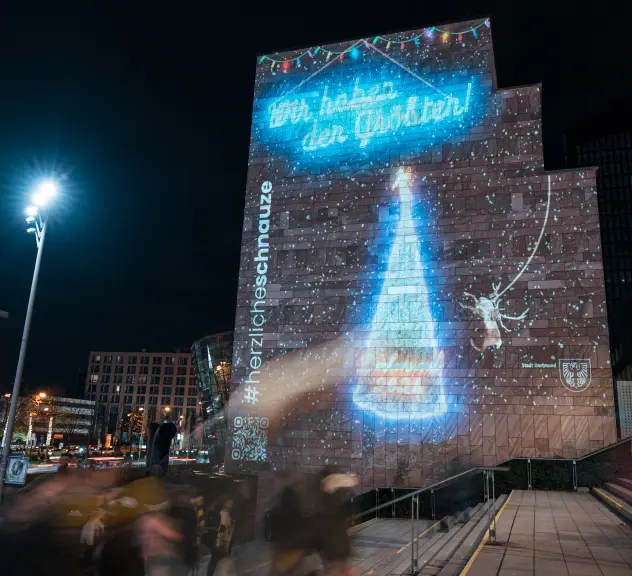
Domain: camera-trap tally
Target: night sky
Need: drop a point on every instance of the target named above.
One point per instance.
(147, 112)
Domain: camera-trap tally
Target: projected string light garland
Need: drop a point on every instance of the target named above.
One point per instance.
(428, 34)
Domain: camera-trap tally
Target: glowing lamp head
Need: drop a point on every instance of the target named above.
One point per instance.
(31, 211)
(48, 188)
(42, 394)
(31, 230)
(46, 191)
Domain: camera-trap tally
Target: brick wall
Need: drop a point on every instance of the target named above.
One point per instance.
(479, 203)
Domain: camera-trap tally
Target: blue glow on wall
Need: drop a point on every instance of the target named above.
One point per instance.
(362, 106)
(401, 371)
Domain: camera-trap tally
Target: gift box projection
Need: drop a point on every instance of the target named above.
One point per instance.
(417, 294)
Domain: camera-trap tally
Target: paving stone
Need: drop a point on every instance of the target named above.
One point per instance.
(584, 539)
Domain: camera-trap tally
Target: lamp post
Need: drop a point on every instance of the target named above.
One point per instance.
(5, 417)
(37, 218)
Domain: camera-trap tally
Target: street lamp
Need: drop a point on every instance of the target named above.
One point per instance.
(37, 219)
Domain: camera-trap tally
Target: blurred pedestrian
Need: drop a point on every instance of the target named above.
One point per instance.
(335, 543)
(290, 534)
(223, 537)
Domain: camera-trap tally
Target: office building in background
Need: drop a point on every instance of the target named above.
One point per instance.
(132, 389)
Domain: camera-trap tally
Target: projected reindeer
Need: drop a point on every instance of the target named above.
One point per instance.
(489, 310)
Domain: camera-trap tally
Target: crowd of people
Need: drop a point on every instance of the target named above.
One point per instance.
(129, 522)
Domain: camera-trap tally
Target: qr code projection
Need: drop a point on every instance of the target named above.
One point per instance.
(250, 438)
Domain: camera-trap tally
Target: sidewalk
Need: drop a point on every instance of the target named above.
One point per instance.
(556, 534)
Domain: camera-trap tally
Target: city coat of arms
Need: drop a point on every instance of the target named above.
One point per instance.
(576, 374)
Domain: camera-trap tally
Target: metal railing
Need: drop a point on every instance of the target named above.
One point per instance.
(571, 465)
(489, 491)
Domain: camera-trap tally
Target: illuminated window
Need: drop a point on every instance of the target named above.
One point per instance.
(96, 358)
(119, 359)
(117, 389)
(94, 377)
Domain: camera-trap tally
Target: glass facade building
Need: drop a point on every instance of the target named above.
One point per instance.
(212, 369)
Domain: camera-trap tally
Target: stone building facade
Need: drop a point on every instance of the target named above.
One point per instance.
(457, 284)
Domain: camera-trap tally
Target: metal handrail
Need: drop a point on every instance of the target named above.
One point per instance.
(584, 457)
(432, 487)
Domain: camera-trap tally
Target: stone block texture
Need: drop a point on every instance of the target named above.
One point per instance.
(480, 207)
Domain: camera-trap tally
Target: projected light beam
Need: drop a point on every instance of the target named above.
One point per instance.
(400, 369)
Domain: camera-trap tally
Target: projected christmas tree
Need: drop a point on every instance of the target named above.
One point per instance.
(401, 367)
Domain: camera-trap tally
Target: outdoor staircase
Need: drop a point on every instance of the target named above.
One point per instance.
(617, 495)
(443, 546)
(446, 552)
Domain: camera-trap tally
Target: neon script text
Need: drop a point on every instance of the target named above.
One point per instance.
(364, 114)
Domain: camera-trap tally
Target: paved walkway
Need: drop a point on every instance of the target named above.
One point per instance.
(556, 534)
